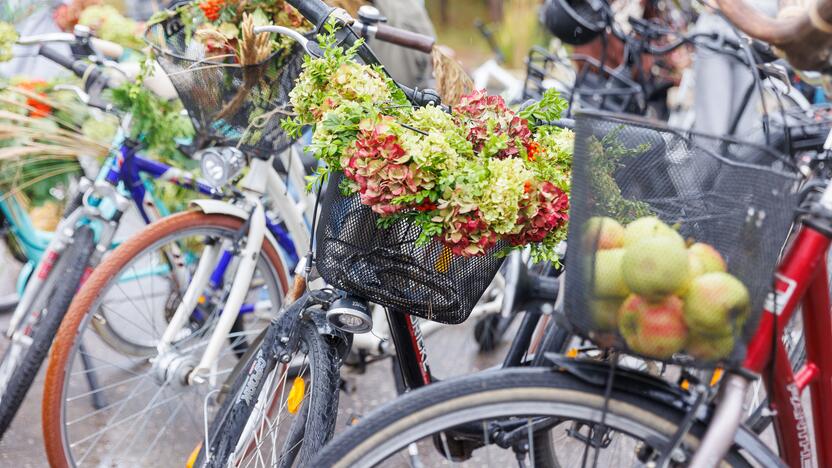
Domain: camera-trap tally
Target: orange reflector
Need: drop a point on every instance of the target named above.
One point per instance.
(296, 395)
(443, 263)
(201, 300)
(572, 353)
(717, 376)
(192, 458)
(685, 385)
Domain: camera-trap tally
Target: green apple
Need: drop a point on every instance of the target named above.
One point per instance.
(604, 313)
(647, 227)
(608, 281)
(655, 267)
(717, 304)
(709, 348)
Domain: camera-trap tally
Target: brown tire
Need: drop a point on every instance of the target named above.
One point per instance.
(52, 417)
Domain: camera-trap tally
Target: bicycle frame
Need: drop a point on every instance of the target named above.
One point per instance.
(801, 280)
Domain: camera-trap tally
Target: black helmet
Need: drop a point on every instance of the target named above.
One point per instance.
(574, 22)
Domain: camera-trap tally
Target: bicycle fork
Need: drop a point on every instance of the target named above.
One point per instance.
(237, 294)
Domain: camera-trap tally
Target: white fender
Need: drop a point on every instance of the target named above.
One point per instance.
(208, 206)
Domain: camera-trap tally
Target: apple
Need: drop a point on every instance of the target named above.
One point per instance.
(709, 348)
(710, 258)
(655, 267)
(695, 269)
(716, 304)
(608, 280)
(647, 227)
(604, 313)
(602, 233)
(653, 329)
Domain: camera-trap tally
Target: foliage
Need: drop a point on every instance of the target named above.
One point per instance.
(8, 36)
(155, 122)
(111, 25)
(468, 178)
(605, 158)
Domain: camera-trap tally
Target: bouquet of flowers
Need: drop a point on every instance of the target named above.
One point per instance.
(224, 27)
(470, 178)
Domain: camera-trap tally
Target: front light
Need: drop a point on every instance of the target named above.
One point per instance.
(220, 164)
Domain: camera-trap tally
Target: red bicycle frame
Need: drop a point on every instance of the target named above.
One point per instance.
(801, 279)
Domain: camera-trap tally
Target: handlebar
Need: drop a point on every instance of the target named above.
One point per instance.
(106, 48)
(404, 38)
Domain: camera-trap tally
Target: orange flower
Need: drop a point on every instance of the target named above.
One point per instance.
(532, 150)
(212, 8)
(37, 108)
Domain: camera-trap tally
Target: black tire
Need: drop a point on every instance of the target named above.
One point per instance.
(77, 258)
(424, 413)
(315, 423)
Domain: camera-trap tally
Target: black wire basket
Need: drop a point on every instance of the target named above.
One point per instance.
(384, 265)
(673, 238)
(229, 104)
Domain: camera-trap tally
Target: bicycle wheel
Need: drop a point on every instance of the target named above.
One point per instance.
(104, 407)
(289, 420)
(30, 345)
(496, 418)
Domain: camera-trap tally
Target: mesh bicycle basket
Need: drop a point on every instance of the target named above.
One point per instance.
(384, 265)
(228, 104)
(673, 239)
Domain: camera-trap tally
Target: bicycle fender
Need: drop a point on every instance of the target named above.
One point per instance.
(208, 206)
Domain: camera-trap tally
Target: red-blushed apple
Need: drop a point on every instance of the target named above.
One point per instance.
(601, 233)
(711, 260)
(717, 304)
(653, 329)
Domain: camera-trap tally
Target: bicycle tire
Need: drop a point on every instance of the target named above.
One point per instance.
(77, 259)
(443, 405)
(321, 411)
(52, 406)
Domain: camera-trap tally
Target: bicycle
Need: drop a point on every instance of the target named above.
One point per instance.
(96, 210)
(290, 371)
(599, 411)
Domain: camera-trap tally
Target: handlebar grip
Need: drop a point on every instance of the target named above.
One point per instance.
(61, 59)
(108, 49)
(315, 11)
(405, 38)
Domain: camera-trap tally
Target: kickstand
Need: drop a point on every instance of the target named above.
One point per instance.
(684, 427)
(98, 400)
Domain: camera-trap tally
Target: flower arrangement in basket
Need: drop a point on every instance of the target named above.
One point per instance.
(469, 178)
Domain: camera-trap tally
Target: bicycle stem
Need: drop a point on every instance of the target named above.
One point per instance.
(724, 425)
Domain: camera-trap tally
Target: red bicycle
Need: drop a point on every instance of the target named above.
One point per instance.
(600, 412)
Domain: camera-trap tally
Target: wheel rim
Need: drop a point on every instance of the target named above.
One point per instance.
(147, 412)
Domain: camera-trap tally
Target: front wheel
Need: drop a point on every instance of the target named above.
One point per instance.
(102, 406)
(30, 344)
(502, 418)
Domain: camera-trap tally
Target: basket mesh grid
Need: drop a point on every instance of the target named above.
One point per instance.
(628, 291)
(383, 265)
(229, 104)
